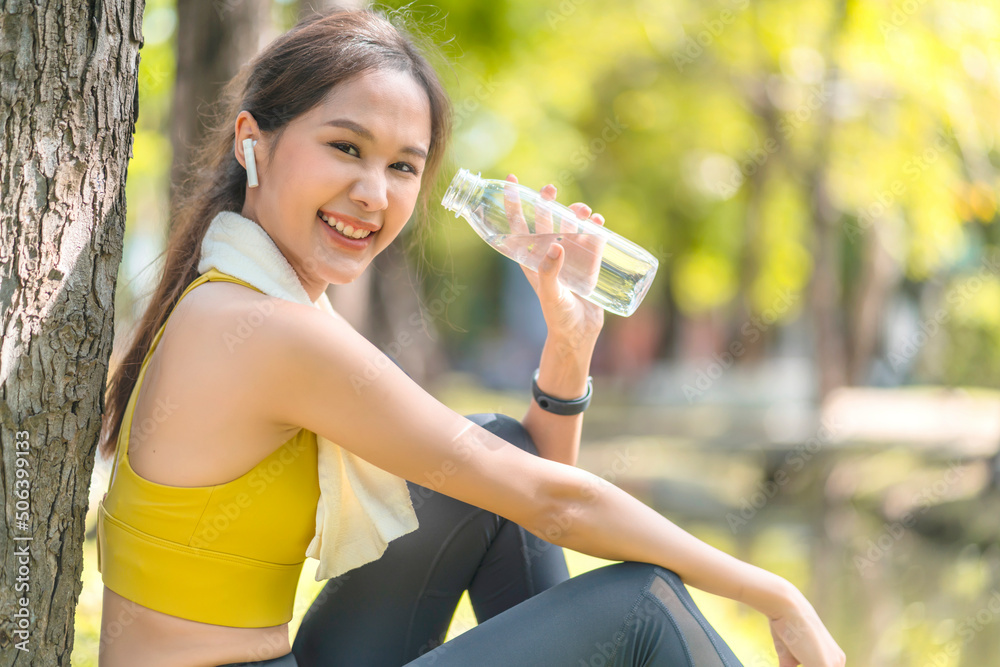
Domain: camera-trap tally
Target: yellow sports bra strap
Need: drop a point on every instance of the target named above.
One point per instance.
(210, 275)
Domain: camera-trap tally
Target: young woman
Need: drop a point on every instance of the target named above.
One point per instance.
(203, 530)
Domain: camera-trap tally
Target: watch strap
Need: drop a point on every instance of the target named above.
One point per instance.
(559, 406)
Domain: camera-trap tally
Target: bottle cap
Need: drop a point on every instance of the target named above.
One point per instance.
(460, 190)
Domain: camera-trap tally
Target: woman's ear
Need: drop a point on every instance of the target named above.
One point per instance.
(246, 128)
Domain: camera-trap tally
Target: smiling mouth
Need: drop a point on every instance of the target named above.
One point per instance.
(345, 230)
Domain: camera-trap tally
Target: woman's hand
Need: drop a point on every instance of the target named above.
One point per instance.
(800, 638)
(568, 317)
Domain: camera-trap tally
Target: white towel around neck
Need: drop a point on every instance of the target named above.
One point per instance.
(361, 507)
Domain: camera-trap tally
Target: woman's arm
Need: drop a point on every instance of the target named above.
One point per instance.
(562, 373)
(573, 327)
(318, 373)
(600, 519)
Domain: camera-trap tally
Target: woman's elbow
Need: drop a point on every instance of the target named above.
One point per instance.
(564, 498)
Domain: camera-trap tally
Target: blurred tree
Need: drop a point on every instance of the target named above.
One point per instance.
(69, 106)
(807, 173)
(214, 40)
(307, 7)
(790, 163)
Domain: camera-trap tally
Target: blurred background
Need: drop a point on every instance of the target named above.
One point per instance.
(812, 380)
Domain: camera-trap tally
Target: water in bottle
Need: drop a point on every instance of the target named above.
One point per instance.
(599, 265)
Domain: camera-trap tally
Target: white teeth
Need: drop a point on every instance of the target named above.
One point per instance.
(347, 230)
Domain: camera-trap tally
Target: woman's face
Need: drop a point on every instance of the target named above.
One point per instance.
(356, 159)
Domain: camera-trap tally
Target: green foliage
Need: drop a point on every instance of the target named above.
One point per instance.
(701, 131)
(973, 324)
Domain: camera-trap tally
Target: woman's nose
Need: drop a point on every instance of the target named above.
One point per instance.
(369, 191)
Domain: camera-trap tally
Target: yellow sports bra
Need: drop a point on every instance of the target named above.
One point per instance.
(228, 554)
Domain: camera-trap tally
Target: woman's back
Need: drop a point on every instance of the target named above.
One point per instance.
(198, 403)
(200, 394)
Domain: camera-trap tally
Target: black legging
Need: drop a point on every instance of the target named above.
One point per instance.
(396, 610)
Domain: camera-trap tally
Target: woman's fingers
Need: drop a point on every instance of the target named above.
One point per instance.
(803, 639)
(543, 216)
(548, 272)
(568, 225)
(590, 244)
(512, 206)
(594, 241)
(543, 223)
(582, 210)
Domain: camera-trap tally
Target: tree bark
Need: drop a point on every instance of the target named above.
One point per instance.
(68, 106)
(214, 39)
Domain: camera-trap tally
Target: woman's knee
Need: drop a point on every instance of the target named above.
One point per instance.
(506, 427)
(665, 603)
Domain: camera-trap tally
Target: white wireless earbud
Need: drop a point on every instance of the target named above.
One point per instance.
(248, 155)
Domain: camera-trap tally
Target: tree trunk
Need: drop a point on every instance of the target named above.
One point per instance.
(879, 276)
(68, 106)
(214, 39)
(826, 293)
(307, 7)
(384, 306)
(826, 304)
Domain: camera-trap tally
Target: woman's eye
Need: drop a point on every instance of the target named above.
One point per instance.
(341, 146)
(412, 170)
(346, 148)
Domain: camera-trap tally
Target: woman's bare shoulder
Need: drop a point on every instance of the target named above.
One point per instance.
(218, 368)
(243, 332)
(232, 313)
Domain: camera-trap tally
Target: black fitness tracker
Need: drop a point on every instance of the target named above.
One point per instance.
(558, 406)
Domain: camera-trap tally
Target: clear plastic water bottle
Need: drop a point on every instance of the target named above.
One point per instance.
(599, 265)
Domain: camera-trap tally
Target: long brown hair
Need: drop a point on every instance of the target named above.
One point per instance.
(289, 77)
